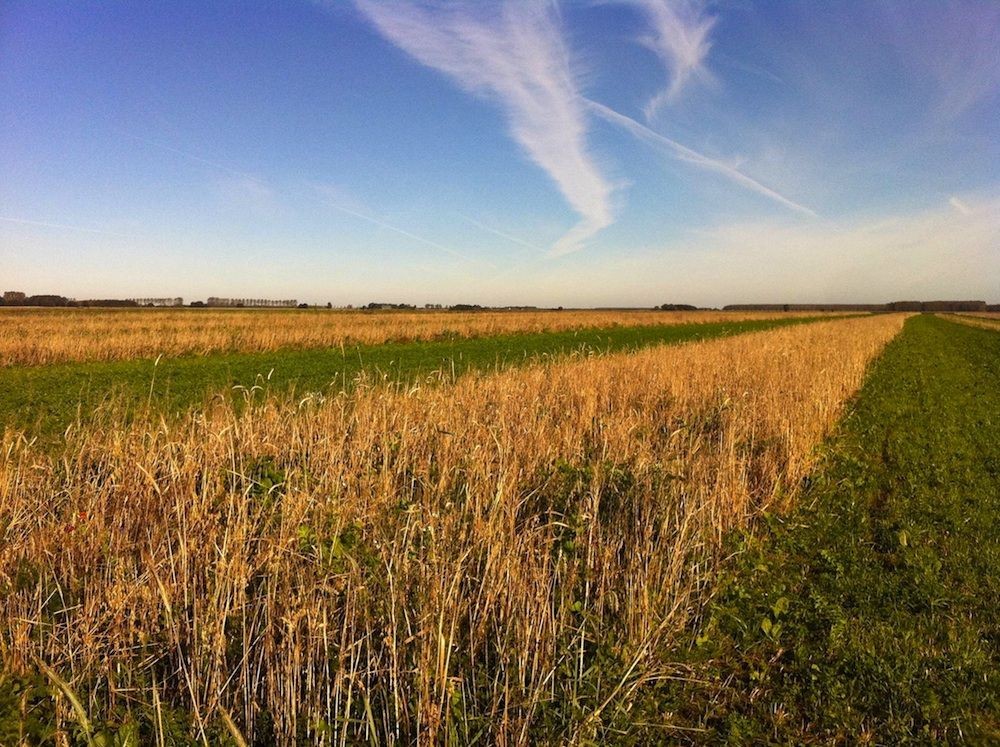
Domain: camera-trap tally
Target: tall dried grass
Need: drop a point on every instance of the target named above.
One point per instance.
(983, 320)
(502, 557)
(994, 315)
(39, 336)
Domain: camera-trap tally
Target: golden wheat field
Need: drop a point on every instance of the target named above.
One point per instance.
(441, 562)
(983, 320)
(39, 336)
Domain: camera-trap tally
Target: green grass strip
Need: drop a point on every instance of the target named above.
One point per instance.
(871, 613)
(43, 400)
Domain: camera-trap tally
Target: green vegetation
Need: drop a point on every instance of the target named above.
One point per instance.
(46, 399)
(870, 612)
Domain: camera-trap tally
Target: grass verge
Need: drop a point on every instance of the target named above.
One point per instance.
(869, 613)
(44, 400)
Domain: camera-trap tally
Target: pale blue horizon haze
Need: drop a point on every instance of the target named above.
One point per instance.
(605, 153)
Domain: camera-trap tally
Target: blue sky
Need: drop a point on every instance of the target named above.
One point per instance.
(621, 152)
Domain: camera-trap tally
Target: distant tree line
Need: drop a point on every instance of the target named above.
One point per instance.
(107, 302)
(50, 300)
(938, 306)
(384, 305)
(892, 306)
(177, 301)
(289, 303)
(18, 298)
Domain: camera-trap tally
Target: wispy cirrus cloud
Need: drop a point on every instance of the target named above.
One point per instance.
(248, 191)
(683, 153)
(928, 252)
(515, 56)
(923, 253)
(960, 206)
(679, 35)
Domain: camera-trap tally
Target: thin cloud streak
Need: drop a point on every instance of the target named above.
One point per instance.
(680, 38)
(683, 153)
(960, 206)
(395, 229)
(191, 156)
(496, 232)
(265, 188)
(517, 58)
(46, 224)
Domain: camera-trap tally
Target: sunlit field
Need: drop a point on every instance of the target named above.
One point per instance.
(457, 373)
(984, 320)
(503, 557)
(37, 336)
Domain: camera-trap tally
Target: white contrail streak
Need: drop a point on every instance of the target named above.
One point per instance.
(326, 203)
(190, 156)
(683, 153)
(499, 233)
(394, 229)
(46, 224)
